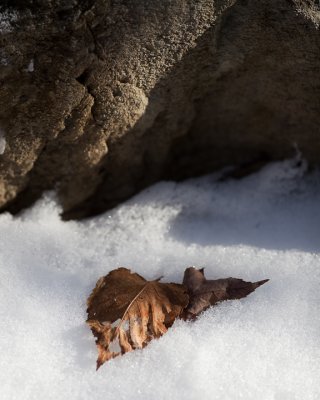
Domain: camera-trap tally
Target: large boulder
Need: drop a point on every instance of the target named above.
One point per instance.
(101, 98)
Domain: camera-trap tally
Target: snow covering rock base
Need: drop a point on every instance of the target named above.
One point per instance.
(264, 347)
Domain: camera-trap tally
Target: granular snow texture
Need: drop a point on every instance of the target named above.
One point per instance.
(263, 347)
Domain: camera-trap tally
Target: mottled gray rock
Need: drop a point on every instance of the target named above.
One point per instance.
(102, 98)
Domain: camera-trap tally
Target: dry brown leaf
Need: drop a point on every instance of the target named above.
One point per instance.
(125, 311)
(204, 293)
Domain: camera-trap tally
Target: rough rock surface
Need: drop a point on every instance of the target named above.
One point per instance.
(100, 98)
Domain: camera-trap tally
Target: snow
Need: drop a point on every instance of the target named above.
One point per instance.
(263, 347)
(2, 142)
(30, 67)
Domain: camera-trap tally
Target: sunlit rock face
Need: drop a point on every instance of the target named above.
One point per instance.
(100, 99)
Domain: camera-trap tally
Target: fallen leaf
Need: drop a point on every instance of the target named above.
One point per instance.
(204, 293)
(125, 311)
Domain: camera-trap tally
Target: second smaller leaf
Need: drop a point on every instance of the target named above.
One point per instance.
(204, 293)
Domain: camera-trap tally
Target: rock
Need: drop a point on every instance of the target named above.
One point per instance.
(101, 98)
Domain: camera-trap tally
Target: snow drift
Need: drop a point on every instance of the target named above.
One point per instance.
(264, 347)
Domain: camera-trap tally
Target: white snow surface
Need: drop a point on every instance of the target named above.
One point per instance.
(263, 347)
